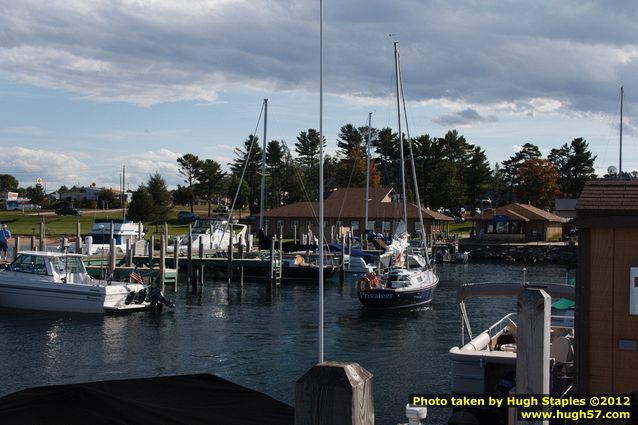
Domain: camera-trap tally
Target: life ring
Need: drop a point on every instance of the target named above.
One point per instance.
(364, 284)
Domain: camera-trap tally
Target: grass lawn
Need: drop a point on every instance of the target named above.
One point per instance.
(28, 224)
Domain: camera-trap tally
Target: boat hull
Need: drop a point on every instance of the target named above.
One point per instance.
(44, 295)
(392, 298)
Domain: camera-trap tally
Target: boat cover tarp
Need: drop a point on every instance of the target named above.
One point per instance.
(265, 242)
(496, 289)
(186, 399)
(367, 256)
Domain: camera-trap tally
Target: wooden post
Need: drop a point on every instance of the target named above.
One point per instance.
(342, 271)
(176, 261)
(162, 262)
(16, 247)
(241, 257)
(33, 243)
(42, 233)
(78, 238)
(129, 254)
(201, 247)
(272, 261)
(189, 259)
(151, 253)
(532, 344)
(230, 257)
(111, 256)
(334, 393)
(165, 236)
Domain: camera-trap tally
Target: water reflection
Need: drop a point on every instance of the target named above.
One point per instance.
(264, 339)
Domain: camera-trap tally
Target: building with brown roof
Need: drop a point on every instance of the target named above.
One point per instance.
(607, 288)
(518, 223)
(345, 207)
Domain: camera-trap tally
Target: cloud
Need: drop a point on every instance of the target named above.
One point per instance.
(155, 51)
(463, 118)
(53, 167)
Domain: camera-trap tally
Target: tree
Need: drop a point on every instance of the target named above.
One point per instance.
(141, 206)
(36, 195)
(575, 166)
(210, 178)
(276, 152)
(308, 150)
(512, 165)
(537, 183)
(160, 197)
(446, 191)
(189, 165)
(107, 198)
(477, 175)
(8, 183)
(250, 157)
(181, 195)
(387, 147)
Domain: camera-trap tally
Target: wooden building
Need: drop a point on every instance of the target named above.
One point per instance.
(607, 287)
(518, 223)
(345, 207)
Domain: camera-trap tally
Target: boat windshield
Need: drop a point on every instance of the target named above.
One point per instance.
(68, 264)
(26, 263)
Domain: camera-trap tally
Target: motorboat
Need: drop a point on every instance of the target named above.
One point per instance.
(122, 231)
(295, 267)
(451, 253)
(486, 364)
(55, 281)
(212, 233)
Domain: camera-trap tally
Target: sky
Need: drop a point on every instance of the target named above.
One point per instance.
(90, 86)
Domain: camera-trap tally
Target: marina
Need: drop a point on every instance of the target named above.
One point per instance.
(259, 339)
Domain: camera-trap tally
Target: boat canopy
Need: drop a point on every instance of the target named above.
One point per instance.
(512, 289)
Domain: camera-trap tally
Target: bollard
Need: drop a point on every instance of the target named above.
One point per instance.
(334, 393)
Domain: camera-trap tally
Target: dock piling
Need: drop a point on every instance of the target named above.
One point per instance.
(176, 262)
(78, 238)
(42, 237)
(33, 247)
(162, 262)
(111, 257)
(16, 247)
(334, 393)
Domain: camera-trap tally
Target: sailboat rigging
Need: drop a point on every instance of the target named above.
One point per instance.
(401, 285)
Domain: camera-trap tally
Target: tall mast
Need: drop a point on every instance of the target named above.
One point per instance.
(622, 93)
(367, 200)
(403, 195)
(320, 245)
(263, 169)
(123, 194)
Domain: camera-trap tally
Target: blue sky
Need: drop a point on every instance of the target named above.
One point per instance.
(89, 86)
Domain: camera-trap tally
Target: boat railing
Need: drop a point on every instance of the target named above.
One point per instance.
(508, 319)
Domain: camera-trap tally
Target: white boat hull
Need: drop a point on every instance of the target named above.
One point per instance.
(40, 294)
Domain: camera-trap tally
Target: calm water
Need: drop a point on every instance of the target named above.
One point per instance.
(260, 340)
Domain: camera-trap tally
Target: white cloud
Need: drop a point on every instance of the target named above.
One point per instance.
(53, 167)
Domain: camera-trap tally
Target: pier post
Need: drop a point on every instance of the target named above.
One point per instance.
(162, 262)
(33, 243)
(129, 254)
(176, 262)
(230, 257)
(111, 257)
(189, 259)
(165, 236)
(78, 238)
(241, 257)
(533, 340)
(151, 252)
(272, 261)
(42, 233)
(334, 393)
(342, 271)
(16, 247)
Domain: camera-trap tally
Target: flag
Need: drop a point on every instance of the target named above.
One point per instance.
(135, 276)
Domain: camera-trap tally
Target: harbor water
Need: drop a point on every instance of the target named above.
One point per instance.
(260, 339)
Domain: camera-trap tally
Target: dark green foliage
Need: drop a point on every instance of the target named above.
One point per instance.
(575, 165)
(141, 206)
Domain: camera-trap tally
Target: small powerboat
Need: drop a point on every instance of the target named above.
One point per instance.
(55, 281)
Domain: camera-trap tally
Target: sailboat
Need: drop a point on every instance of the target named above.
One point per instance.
(410, 279)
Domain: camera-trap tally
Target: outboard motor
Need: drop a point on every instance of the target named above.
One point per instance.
(156, 298)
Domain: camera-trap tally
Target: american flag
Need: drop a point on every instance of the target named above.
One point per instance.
(135, 276)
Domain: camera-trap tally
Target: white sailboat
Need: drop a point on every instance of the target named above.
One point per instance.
(401, 285)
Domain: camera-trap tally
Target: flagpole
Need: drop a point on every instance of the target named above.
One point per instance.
(320, 245)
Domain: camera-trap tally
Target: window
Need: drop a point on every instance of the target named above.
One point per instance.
(387, 226)
(29, 264)
(354, 225)
(294, 224)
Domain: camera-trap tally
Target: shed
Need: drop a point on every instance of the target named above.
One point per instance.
(607, 287)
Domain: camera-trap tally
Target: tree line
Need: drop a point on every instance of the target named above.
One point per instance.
(450, 172)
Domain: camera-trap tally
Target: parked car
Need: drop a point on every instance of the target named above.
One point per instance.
(67, 211)
(187, 216)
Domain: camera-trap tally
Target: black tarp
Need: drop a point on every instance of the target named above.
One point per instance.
(187, 399)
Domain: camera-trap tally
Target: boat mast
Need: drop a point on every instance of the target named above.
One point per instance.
(622, 93)
(320, 245)
(367, 200)
(263, 169)
(413, 169)
(403, 195)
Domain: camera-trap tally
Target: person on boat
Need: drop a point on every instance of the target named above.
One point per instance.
(5, 235)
